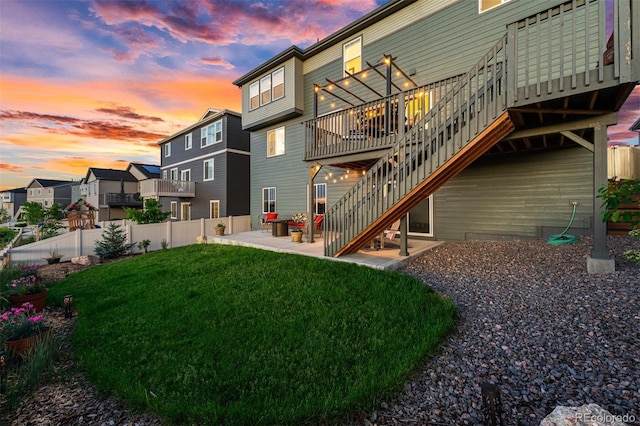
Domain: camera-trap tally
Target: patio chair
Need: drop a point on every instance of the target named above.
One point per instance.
(266, 221)
(317, 225)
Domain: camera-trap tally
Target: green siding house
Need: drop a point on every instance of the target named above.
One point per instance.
(451, 119)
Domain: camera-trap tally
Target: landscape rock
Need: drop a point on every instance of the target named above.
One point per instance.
(89, 260)
(202, 239)
(585, 415)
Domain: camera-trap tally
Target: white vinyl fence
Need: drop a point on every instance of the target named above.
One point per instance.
(82, 242)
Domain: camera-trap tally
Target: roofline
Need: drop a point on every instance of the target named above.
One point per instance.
(635, 126)
(356, 26)
(203, 119)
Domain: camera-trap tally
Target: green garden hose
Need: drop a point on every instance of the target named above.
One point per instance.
(564, 238)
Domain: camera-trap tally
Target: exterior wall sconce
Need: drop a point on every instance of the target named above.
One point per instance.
(68, 311)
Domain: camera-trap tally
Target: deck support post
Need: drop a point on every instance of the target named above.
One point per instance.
(599, 261)
(404, 247)
(313, 172)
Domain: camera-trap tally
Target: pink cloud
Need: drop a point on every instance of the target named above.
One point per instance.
(218, 62)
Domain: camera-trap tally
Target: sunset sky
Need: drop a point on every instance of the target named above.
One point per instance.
(99, 83)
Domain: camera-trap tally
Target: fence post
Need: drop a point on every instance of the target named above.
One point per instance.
(78, 249)
(169, 233)
(203, 231)
(230, 224)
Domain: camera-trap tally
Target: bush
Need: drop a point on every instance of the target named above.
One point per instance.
(150, 214)
(6, 235)
(113, 243)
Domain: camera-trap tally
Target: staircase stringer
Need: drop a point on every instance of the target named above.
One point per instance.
(494, 133)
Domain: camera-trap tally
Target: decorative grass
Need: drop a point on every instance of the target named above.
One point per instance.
(209, 334)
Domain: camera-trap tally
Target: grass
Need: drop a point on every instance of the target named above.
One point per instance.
(209, 334)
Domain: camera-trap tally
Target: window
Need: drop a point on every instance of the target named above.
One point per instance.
(50, 191)
(275, 142)
(173, 174)
(164, 174)
(174, 210)
(185, 175)
(31, 192)
(254, 93)
(208, 170)
(269, 200)
(265, 90)
(211, 134)
(167, 149)
(352, 54)
(188, 141)
(320, 198)
(484, 5)
(214, 209)
(39, 191)
(277, 82)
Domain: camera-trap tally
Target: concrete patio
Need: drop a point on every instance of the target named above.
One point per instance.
(387, 258)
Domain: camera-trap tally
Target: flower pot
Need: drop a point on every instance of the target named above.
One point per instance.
(219, 230)
(36, 299)
(53, 260)
(296, 237)
(27, 345)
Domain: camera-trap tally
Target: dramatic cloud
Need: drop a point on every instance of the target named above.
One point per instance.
(219, 62)
(126, 112)
(10, 168)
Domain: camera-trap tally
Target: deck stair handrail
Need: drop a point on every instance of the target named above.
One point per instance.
(472, 115)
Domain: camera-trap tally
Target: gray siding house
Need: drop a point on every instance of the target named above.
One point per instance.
(11, 200)
(110, 191)
(50, 191)
(204, 169)
(454, 119)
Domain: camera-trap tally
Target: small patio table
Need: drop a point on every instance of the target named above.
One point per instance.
(279, 227)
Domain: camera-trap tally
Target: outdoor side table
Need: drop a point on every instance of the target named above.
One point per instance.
(280, 227)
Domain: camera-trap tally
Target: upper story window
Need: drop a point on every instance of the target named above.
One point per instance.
(266, 90)
(185, 175)
(275, 142)
(31, 192)
(211, 134)
(207, 167)
(484, 5)
(50, 191)
(167, 149)
(254, 95)
(164, 174)
(188, 141)
(173, 174)
(352, 56)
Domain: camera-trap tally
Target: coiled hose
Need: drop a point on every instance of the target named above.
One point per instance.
(564, 238)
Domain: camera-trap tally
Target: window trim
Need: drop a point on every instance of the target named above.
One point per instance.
(188, 141)
(204, 170)
(173, 173)
(481, 10)
(211, 204)
(167, 149)
(165, 176)
(204, 140)
(182, 172)
(174, 210)
(344, 57)
(284, 139)
(260, 84)
(275, 198)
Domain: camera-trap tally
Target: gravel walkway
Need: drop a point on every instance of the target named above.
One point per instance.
(534, 323)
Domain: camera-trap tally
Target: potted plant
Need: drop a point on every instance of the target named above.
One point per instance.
(220, 228)
(54, 257)
(296, 235)
(22, 328)
(25, 286)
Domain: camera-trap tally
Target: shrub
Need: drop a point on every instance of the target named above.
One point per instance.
(150, 214)
(113, 243)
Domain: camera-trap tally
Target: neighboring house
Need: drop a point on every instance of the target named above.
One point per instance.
(144, 171)
(11, 201)
(110, 191)
(204, 169)
(50, 191)
(461, 119)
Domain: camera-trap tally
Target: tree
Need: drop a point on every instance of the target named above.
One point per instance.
(113, 243)
(151, 213)
(51, 226)
(4, 215)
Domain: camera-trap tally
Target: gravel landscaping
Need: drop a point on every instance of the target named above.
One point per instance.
(533, 322)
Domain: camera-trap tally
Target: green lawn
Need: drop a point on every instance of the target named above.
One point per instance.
(209, 334)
